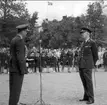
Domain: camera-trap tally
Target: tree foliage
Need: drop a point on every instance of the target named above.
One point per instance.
(95, 19)
(12, 13)
(56, 34)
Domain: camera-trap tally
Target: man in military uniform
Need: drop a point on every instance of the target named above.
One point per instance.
(88, 57)
(17, 67)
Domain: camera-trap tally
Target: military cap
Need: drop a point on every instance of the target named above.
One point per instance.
(85, 30)
(22, 27)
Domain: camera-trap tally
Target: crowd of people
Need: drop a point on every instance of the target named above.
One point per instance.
(57, 59)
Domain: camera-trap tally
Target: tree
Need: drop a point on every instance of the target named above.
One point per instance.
(33, 21)
(95, 19)
(60, 33)
(33, 34)
(12, 13)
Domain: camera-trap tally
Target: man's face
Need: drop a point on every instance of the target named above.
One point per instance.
(24, 32)
(85, 35)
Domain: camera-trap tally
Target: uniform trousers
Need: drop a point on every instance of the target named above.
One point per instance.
(15, 85)
(86, 78)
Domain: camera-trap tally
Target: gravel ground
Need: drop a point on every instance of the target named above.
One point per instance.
(58, 89)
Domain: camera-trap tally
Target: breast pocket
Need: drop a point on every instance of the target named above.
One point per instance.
(87, 50)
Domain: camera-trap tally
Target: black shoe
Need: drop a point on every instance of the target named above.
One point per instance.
(90, 102)
(83, 100)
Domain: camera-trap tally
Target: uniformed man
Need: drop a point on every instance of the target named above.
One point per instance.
(88, 57)
(17, 67)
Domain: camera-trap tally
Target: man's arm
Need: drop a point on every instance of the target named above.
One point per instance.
(20, 56)
(94, 51)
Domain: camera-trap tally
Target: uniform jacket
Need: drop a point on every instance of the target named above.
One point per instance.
(17, 56)
(88, 54)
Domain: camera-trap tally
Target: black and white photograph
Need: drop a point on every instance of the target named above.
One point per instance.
(53, 52)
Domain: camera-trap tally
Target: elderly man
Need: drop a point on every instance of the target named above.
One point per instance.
(17, 67)
(88, 58)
